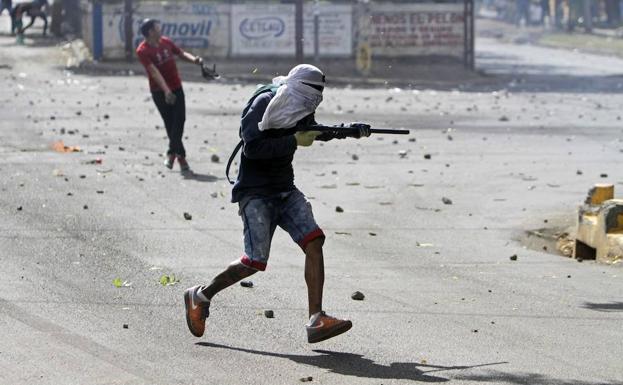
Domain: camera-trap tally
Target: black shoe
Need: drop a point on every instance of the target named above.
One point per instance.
(183, 163)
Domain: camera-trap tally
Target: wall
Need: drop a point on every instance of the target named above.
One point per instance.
(267, 30)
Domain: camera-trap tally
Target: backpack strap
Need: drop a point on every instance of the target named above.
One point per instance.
(259, 91)
(231, 159)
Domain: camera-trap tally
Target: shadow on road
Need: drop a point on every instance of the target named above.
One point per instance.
(523, 379)
(200, 177)
(351, 364)
(605, 307)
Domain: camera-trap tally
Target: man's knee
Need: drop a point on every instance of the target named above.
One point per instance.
(314, 246)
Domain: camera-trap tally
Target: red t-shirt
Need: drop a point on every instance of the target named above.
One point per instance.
(163, 58)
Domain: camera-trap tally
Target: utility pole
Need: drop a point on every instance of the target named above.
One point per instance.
(588, 16)
(298, 30)
(129, 32)
(316, 32)
(468, 34)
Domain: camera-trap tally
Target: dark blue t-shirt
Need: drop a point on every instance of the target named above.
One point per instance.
(266, 158)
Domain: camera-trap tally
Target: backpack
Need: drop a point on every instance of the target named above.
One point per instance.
(260, 90)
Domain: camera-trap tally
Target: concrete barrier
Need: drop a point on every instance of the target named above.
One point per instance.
(600, 226)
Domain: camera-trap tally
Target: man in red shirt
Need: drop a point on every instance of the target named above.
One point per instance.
(156, 53)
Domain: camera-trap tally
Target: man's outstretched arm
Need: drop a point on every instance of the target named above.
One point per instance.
(189, 57)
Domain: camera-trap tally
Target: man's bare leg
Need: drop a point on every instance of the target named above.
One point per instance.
(314, 274)
(197, 298)
(321, 326)
(234, 273)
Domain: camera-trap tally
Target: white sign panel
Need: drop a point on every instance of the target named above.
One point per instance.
(262, 29)
(196, 26)
(416, 29)
(335, 32)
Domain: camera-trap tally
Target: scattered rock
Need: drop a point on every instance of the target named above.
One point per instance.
(603, 175)
(579, 172)
(402, 153)
(338, 209)
(246, 283)
(214, 195)
(446, 201)
(106, 116)
(307, 379)
(269, 314)
(125, 326)
(411, 139)
(357, 296)
(215, 158)
(427, 156)
(100, 191)
(19, 208)
(513, 257)
(503, 118)
(187, 216)
(85, 207)
(474, 330)
(355, 157)
(372, 234)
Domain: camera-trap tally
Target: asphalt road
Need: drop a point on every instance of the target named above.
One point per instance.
(444, 303)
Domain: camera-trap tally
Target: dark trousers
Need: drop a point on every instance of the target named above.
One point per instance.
(6, 4)
(34, 15)
(174, 117)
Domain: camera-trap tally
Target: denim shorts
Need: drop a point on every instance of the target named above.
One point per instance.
(261, 215)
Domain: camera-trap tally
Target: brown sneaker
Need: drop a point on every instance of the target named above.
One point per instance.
(183, 163)
(196, 311)
(322, 327)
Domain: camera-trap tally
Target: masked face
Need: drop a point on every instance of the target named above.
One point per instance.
(299, 95)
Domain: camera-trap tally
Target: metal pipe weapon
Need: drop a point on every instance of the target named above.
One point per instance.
(352, 130)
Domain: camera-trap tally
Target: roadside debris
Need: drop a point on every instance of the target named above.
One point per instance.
(168, 280)
(59, 146)
(117, 282)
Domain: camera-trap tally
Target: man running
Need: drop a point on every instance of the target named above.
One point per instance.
(268, 198)
(156, 53)
(32, 9)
